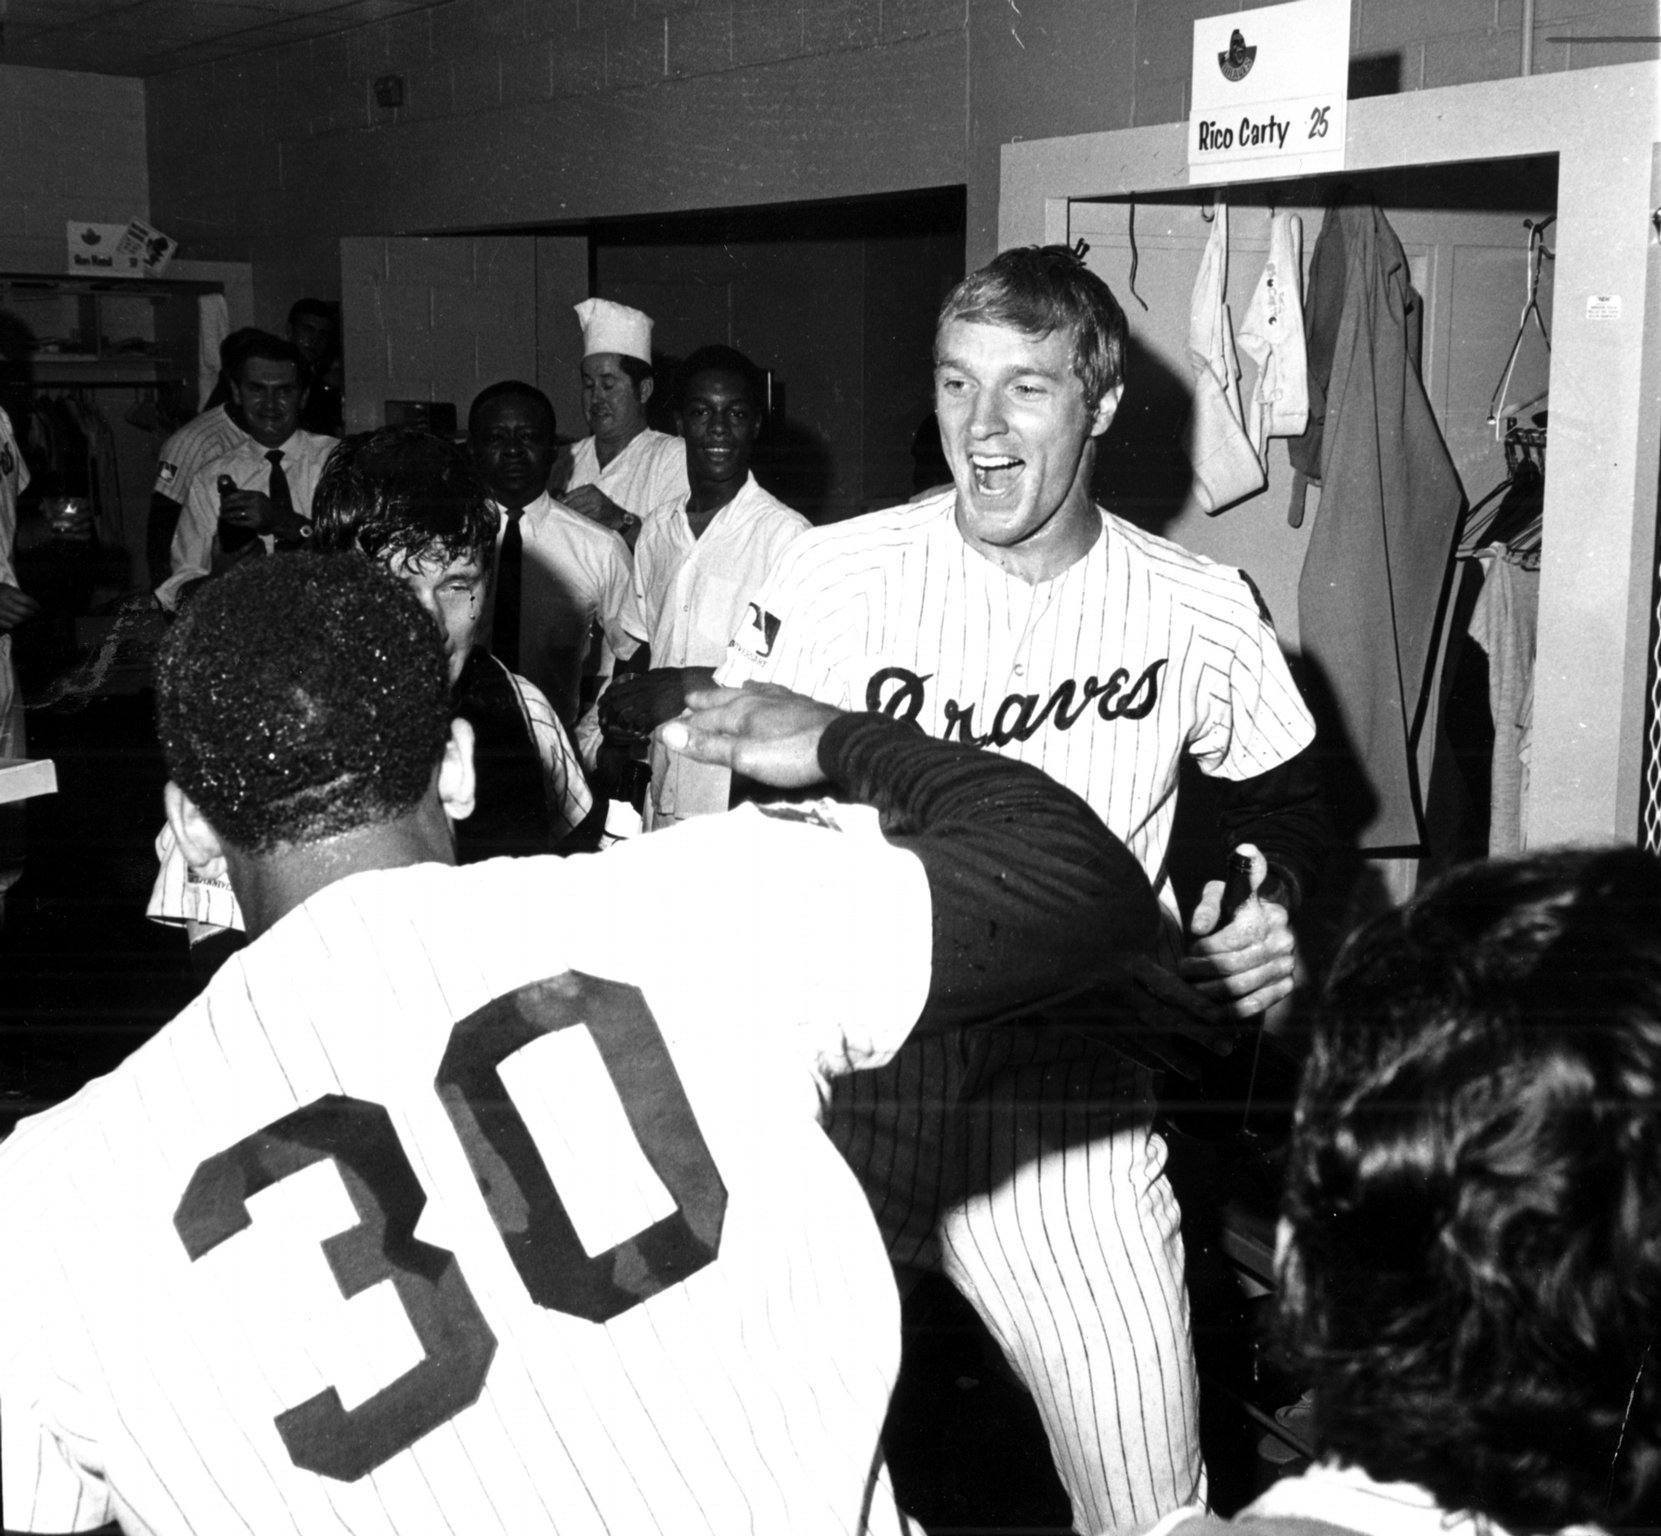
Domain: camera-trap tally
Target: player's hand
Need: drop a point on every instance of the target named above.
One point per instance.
(16, 606)
(70, 519)
(1248, 966)
(248, 509)
(761, 730)
(594, 504)
(636, 703)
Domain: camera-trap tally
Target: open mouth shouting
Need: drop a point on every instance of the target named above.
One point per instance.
(995, 473)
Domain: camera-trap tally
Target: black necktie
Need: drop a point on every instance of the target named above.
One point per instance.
(510, 567)
(282, 499)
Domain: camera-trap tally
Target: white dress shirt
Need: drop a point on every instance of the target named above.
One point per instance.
(577, 610)
(692, 594)
(304, 455)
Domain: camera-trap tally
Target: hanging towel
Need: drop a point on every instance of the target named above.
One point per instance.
(1381, 549)
(213, 325)
(1272, 336)
(1226, 467)
(1506, 623)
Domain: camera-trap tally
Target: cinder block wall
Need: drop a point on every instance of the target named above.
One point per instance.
(538, 112)
(435, 319)
(72, 146)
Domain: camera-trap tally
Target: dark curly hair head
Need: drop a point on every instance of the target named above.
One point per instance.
(1038, 290)
(399, 495)
(723, 359)
(1472, 1282)
(300, 697)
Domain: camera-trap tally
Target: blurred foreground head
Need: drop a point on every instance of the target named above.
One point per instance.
(1471, 1263)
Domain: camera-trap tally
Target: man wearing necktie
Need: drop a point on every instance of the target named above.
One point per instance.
(564, 607)
(255, 497)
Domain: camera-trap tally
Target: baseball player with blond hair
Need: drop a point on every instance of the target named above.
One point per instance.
(1012, 613)
(451, 1205)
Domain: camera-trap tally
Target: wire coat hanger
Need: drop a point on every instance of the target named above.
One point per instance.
(1538, 254)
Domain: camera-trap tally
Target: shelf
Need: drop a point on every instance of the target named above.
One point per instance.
(129, 287)
(55, 368)
(84, 328)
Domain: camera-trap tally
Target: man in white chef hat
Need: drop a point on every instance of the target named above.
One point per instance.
(626, 468)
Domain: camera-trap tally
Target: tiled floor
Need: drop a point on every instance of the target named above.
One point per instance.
(87, 978)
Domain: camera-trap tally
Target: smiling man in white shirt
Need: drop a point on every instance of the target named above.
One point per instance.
(700, 559)
(257, 495)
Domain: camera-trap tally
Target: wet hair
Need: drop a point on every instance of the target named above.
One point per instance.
(726, 360)
(273, 349)
(301, 697)
(1473, 1281)
(401, 494)
(1038, 290)
(508, 389)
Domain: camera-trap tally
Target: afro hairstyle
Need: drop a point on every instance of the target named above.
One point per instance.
(301, 697)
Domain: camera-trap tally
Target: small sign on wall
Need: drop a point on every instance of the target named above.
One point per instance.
(133, 249)
(1269, 92)
(94, 248)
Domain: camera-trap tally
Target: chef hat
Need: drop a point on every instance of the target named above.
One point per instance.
(609, 327)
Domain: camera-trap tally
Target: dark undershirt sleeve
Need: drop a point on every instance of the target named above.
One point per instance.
(1033, 898)
(1284, 813)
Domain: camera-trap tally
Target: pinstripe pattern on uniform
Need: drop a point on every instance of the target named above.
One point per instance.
(1025, 1166)
(902, 587)
(747, 1396)
(199, 441)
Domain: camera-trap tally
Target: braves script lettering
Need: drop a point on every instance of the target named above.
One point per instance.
(900, 693)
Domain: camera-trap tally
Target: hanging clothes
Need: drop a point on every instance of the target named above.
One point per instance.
(1505, 624)
(1378, 558)
(1272, 336)
(1226, 467)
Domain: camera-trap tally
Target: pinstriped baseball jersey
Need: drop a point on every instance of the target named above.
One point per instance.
(198, 442)
(450, 1206)
(1103, 676)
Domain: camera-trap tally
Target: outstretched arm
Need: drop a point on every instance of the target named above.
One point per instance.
(1033, 898)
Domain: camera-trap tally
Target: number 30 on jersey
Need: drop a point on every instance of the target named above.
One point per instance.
(457, 1343)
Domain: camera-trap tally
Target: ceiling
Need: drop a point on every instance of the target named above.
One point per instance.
(150, 37)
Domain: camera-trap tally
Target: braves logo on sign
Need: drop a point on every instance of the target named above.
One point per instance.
(1237, 63)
